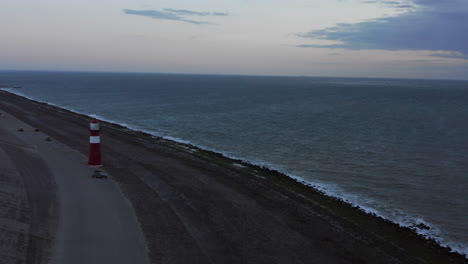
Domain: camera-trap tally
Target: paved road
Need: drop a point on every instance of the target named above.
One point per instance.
(97, 224)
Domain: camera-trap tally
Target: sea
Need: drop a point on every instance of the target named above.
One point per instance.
(397, 148)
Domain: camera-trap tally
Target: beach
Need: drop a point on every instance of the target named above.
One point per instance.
(172, 201)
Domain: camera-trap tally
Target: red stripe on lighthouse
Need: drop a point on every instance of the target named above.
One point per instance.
(94, 144)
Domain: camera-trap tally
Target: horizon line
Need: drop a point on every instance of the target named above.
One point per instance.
(224, 74)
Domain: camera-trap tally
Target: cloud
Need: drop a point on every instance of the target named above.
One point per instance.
(193, 13)
(186, 12)
(404, 6)
(220, 14)
(434, 25)
(391, 2)
(394, 4)
(174, 14)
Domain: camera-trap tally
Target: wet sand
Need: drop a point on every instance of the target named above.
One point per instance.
(195, 206)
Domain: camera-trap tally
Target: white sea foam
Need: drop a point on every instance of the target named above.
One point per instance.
(399, 217)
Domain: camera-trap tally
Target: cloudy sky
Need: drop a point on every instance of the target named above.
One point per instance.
(361, 38)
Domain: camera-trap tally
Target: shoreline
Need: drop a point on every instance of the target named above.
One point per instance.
(303, 194)
(419, 227)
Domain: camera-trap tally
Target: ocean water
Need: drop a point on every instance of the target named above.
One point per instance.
(397, 148)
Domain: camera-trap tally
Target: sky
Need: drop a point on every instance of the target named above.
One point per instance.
(342, 38)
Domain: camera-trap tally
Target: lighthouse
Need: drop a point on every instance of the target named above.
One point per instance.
(94, 144)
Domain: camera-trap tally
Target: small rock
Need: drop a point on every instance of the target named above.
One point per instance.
(47, 139)
(36, 130)
(423, 226)
(99, 174)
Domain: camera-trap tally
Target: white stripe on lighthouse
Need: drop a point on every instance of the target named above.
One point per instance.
(94, 126)
(93, 139)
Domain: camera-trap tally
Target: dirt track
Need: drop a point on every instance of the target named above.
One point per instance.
(28, 202)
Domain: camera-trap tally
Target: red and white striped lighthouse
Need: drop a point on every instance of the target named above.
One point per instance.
(94, 144)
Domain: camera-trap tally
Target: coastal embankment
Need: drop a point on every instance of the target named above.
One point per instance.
(53, 211)
(192, 205)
